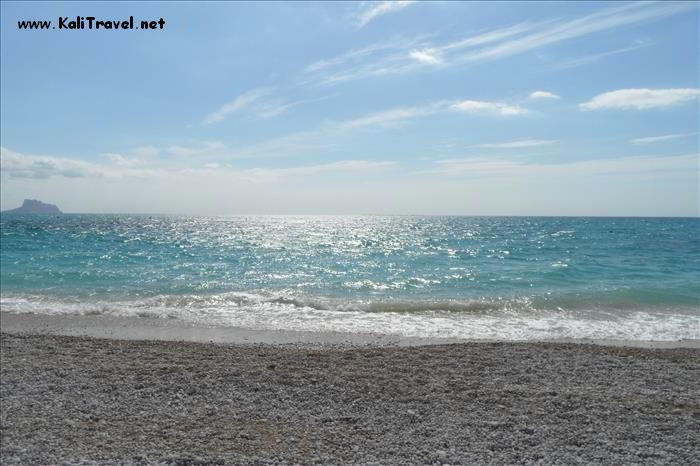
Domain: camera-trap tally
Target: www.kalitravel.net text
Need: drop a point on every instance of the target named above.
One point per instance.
(90, 22)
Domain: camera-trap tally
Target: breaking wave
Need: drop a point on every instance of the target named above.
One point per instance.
(522, 318)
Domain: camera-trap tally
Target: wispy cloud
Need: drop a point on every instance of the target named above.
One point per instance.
(401, 55)
(385, 59)
(519, 144)
(24, 166)
(355, 56)
(241, 102)
(274, 108)
(601, 20)
(260, 103)
(19, 165)
(201, 149)
(142, 161)
(273, 174)
(373, 10)
(393, 117)
(538, 95)
(576, 62)
(490, 108)
(134, 158)
(666, 137)
(641, 99)
(120, 160)
(327, 136)
(485, 166)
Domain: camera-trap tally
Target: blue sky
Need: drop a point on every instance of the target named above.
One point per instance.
(387, 107)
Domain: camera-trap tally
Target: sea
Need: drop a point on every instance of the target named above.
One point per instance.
(495, 278)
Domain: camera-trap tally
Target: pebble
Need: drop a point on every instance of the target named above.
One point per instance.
(70, 400)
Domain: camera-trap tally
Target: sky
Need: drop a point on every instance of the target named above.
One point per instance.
(440, 108)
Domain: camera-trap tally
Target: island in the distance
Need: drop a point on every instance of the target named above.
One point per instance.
(31, 206)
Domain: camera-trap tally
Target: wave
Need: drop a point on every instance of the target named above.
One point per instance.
(616, 301)
(518, 318)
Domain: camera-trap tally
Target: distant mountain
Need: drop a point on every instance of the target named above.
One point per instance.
(30, 206)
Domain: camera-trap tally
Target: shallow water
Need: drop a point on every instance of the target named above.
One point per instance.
(462, 277)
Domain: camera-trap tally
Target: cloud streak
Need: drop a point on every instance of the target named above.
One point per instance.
(640, 99)
(631, 165)
(666, 137)
(376, 9)
(393, 58)
(489, 108)
(241, 102)
(256, 102)
(18, 165)
(519, 144)
(326, 136)
(394, 117)
(576, 62)
(343, 166)
(540, 95)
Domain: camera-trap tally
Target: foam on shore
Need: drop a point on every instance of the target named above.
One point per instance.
(135, 328)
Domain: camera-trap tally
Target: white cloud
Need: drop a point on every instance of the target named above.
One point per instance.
(120, 160)
(239, 103)
(393, 117)
(517, 168)
(272, 174)
(544, 95)
(136, 157)
(519, 144)
(641, 99)
(18, 165)
(374, 10)
(667, 137)
(428, 56)
(493, 108)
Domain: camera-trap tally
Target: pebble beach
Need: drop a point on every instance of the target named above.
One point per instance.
(81, 400)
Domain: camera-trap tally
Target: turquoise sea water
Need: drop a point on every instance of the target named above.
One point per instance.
(469, 277)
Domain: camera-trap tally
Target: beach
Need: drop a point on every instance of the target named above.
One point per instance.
(182, 340)
(85, 400)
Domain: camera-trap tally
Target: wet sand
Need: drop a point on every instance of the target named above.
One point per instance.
(111, 401)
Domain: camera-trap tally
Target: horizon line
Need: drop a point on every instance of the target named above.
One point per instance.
(353, 215)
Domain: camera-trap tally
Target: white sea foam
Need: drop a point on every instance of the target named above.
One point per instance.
(499, 319)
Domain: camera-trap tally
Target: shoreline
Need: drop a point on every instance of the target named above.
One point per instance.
(145, 328)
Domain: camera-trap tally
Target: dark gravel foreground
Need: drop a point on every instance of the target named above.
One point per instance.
(89, 401)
